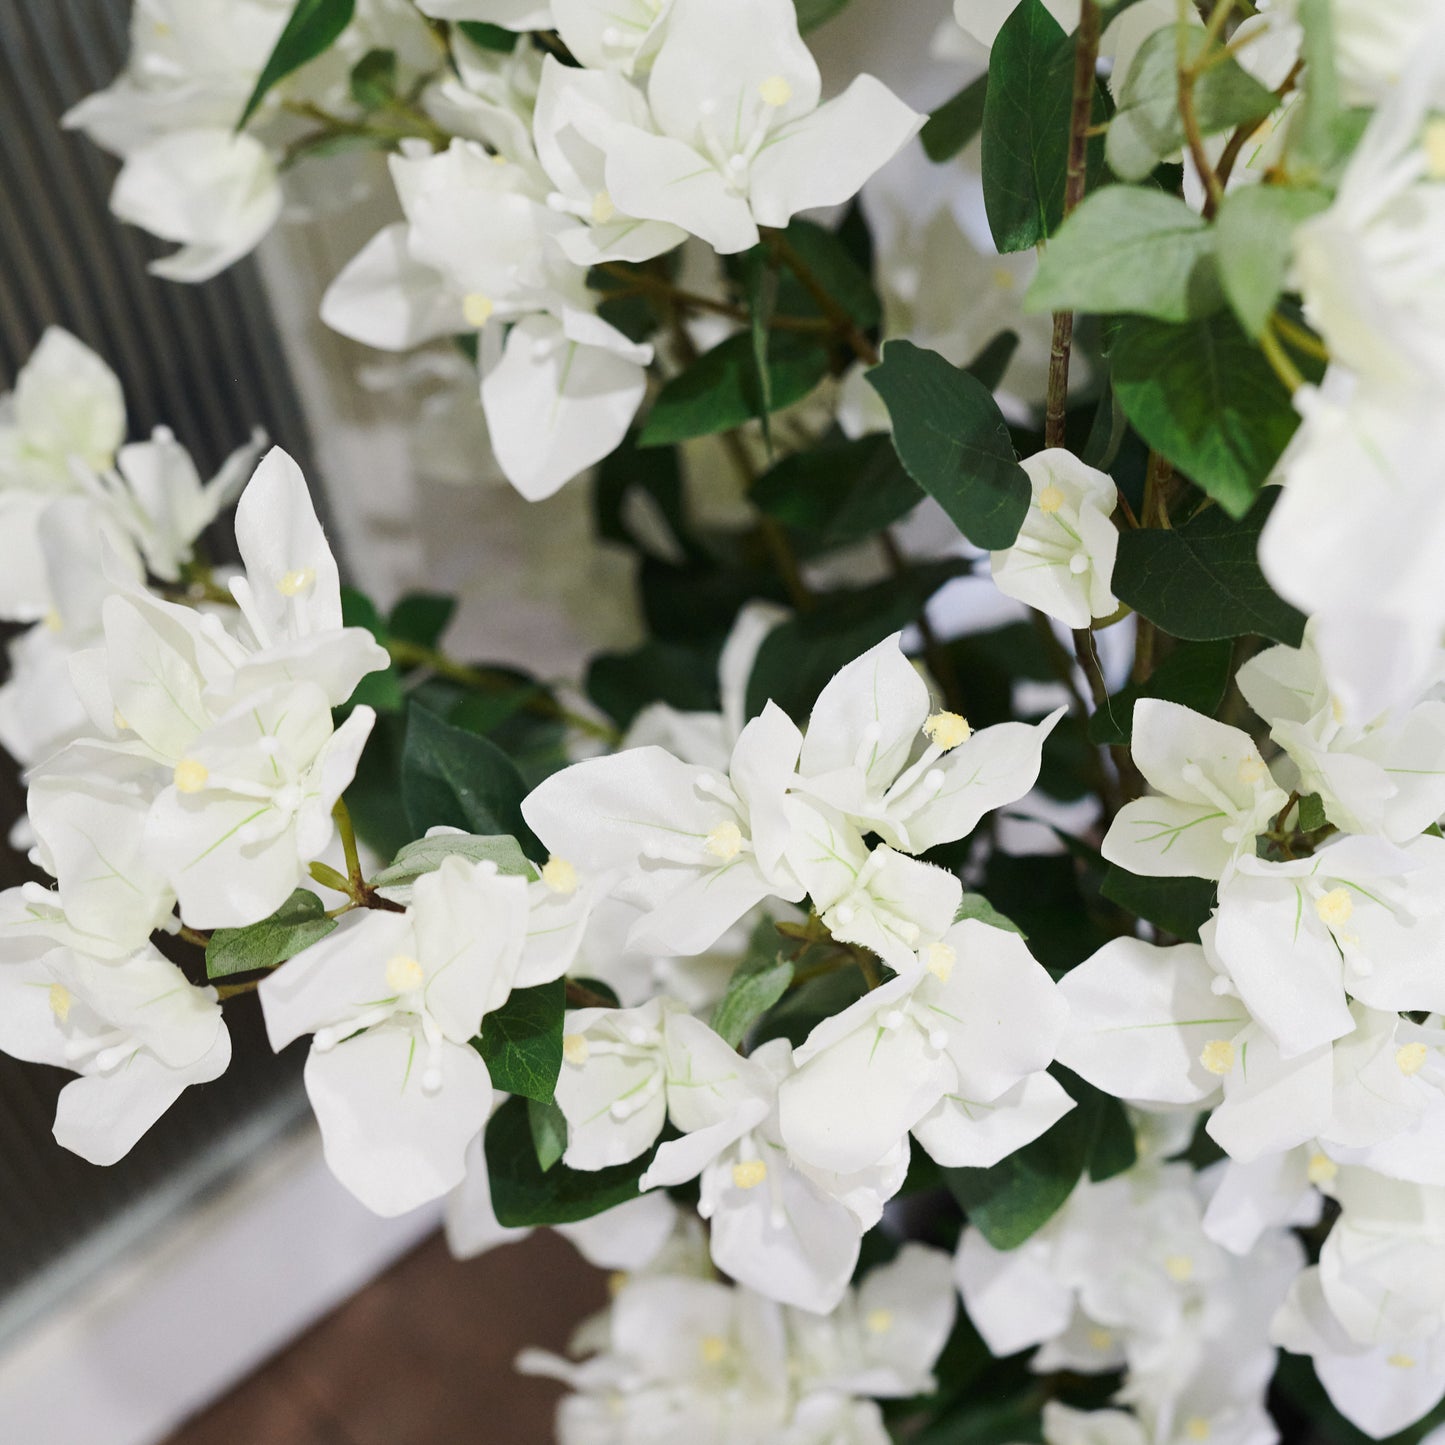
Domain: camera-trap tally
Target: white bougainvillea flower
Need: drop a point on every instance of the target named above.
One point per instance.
(693, 849)
(213, 192)
(1360, 916)
(789, 1232)
(133, 1028)
(1372, 1312)
(1385, 776)
(886, 901)
(877, 753)
(576, 111)
(954, 1051)
(509, 14)
(887, 1334)
(249, 804)
(981, 20)
(626, 1071)
(89, 806)
(1213, 794)
(740, 139)
(393, 1000)
(611, 34)
(290, 595)
(628, 1236)
(1277, 1190)
(1063, 560)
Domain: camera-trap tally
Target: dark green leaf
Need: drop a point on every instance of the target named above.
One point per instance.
(812, 13)
(1195, 675)
(993, 361)
(1203, 396)
(1129, 249)
(758, 982)
(1255, 235)
(456, 778)
(655, 476)
(298, 923)
(1180, 906)
(1026, 127)
(522, 1041)
(802, 1010)
(838, 492)
(1147, 128)
(421, 617)
(1202, 581)
(956, 122)
(373, 79)
(426, 855)
(312, 28)
(524, 1195)
(699, 602)
(1114, 1149)
(1312, 815)
(1048, 897)
(826, 255)
(762, 291)
(549, 1132)
(683, 677)
(975, 905)
(953, 441)
(489, 37)
(799, 656)
(719, 390)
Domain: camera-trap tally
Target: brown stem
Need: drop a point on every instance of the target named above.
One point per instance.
(1235, 148)
(827, 303)
(580, 996)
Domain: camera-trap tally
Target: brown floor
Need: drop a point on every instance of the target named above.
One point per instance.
(423, 1356)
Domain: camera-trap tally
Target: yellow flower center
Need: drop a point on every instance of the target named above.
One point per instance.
(1252, 770)
(749, 1174)
(1401, 1362)
(1335, 907)
(603, 208)
(775, 91)
(939, 959)
(190, 776)
(1321, 1169)
(575, 1049)
(1435, 147)
(1217, 1056)
(1179, 1268)
(477, 309)
(1411, 1058)
(60, 1001)
(559, 875)
(713, 1349)
(1197, 1427)
(293, 584)
(404, 973)
(879, 1321)
(725, 841)
(1051, 499)
(1101, 1339)
(947, 730)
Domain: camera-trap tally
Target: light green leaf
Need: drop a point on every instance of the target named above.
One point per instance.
(1312, 815)
(298, 923)
(313, 27)
(1129, 249)
(758, 982)
(1202, 395)
(953, 441)
(522, 1041)
(428, 854)
(373, 79)
(1148, 128)
(549, 1132)
(812, 13)
(1202, 581)
(1255, 243)
(975, 905)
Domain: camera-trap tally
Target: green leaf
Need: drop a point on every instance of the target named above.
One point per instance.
(1129, 249)
(426, 855)
(1018, 1196)
(1202, 395)
(684, 677)
(975, 905)
(522, 1041)
(719, 390)
(373, 79)
(1202, 581)
(758, 982)
(826, 254)
(453, 777)
(1322, 130)
(1026, 127)
(549, 1132)
(524, 1195)
(1254, 235)
(1147, 128)
(800, 655)
(1195, 675)
(298, 923)
(812, 13)
(1312, 813)
(421, 617)
(953, 441)
(838, 492)
(380, 690)
(949, 128)
(489, 37)
(312, 28)
(1180, 906)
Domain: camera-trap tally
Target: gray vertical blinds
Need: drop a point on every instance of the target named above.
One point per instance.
(206, 362)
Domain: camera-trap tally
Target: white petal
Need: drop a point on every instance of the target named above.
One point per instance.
(1271, 1104)
(471, 1222)
(964, 1134)
(385, 298)
(1015, 1298)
